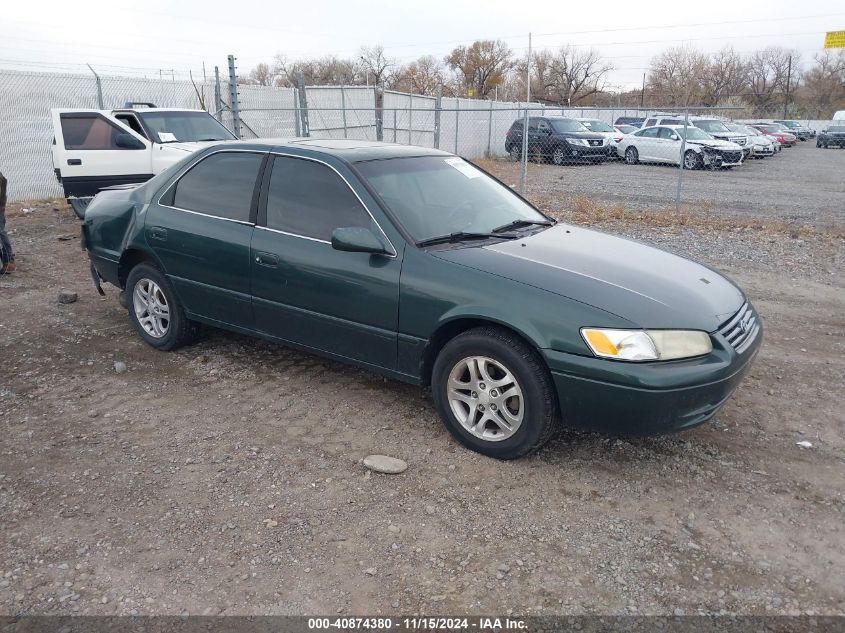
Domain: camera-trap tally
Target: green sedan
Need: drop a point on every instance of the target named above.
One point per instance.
(416, 264)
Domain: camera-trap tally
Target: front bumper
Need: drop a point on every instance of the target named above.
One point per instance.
(647, 398)
(589, 151)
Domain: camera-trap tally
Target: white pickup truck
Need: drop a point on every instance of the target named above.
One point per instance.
(94, 149)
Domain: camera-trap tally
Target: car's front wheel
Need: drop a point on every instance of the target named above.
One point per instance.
(155, 310)
(632, 156)
(494, 393)
(693, 160)
(559, 156)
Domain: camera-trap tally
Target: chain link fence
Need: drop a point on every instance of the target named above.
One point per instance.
(473, 128)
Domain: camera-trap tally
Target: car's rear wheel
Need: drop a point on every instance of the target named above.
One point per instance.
(494, 393)
(514, 152)
(155, 310)
(632, 156)
(693, 160)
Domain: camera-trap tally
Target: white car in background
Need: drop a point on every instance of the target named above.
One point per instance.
(665, 144)
(609, 132)
(762, 145)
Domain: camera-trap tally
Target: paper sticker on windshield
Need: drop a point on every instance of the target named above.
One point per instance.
(464, 167)
(166, 137)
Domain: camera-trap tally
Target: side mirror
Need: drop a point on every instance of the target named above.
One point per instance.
(357, 240)
(127, 141)
(674, 137)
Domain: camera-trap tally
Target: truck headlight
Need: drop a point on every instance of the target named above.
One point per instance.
(577, 141)
(647, 344)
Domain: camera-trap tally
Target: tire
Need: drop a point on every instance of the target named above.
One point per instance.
(515, 153)
(632, 156)
(818, 144)
(693, 160)
(559, 156)
(150, 293)
(498, 355)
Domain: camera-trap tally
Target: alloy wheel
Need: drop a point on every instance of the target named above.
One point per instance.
(631, 155)
(151, 308)
(486, 398)
(558, 156)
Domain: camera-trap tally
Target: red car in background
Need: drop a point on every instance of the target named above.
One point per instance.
(776, 131)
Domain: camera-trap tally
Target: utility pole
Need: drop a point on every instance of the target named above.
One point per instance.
(642, 94)
(788, 81)
(524, 170)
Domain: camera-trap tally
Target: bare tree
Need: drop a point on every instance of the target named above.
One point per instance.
(577, 74)
(772, 72)
(481, 66)
(422, 76)
(824, 83)
(675, 76)
(322, 71)
(261, 75)
(375, 64)
(726, 75)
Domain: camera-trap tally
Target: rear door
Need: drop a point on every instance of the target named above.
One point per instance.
(94, 150)
(201, 231)
(646, 144)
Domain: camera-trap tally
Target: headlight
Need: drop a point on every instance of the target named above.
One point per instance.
(647, 344)
(577, 141)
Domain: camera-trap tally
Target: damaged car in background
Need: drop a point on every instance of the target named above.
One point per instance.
(673, 144)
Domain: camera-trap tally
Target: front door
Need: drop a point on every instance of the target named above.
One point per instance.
(306, 292)
(93, 151)
(201, 232)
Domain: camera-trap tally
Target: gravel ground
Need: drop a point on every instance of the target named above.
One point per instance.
(802, 183)
(226, 477)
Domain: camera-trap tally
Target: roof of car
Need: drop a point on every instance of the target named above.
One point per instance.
(350, 150)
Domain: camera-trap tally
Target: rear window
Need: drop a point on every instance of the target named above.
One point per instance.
(220, 185)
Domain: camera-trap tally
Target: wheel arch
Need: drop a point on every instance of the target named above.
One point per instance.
(453, 327)
(130, 258)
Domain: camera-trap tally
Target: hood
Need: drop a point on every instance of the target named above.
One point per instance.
(716, 144)
(186, 146)
(644, 285)
(586, 135)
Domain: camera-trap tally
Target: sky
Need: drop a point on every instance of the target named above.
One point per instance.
(156, 36)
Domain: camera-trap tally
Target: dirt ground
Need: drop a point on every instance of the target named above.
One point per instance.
(226, 477)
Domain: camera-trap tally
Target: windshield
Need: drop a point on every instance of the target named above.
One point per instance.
(752, 131)
(626, 129)
(567, 125)
(736, 127)
(711, 126)
(440, 195)
(597, 126)
(694, 134)
(789, 124)
(171, 127)
(837, 129)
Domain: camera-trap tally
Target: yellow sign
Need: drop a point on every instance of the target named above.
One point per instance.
(469, 92)
(834, 39)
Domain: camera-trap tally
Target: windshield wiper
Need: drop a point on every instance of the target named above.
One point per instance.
(520, 223)
(460, 236)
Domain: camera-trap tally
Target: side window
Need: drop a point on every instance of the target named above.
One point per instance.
(650, 122)
(308, 198)
(131, 121)
(543, 126)
(650, 132)
(89, 131)
(532, 124)
(666, 133)
(221, 185)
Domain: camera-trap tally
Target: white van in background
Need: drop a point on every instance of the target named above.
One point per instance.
(839, 115)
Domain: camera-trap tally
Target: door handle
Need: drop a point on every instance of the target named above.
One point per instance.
(158, 233)
(267, 259)
(74, 161)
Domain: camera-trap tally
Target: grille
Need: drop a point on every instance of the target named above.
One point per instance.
(739, 140)
(731, 157)
(742, 328)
